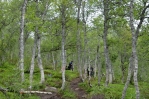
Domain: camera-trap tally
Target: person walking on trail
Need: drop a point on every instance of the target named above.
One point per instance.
(70, 67)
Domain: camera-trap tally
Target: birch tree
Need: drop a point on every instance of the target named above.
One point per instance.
(63, 26)
(78, 3)
(135, 33)
(109, 77)
(21, 40)
(85, 39)
(134, 51)
(33, 59)
(37, 43)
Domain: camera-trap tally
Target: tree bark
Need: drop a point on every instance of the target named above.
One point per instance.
(109, 76)
(21, 40)
(85, 40)
(42, 80)
(78, 40)
(134, 44)
(134, 51)
(130, 69)
(33, 60)
(95, 66)
(63, 25)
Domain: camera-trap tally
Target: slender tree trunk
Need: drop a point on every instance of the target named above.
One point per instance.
(134, 51)
(53, 58)
(89, 69)
(33, 60)
(98, 64)
(122, 66)
(63, 25)
(109, 76)
(78, 40)
(21, 40)
(85, 40)
(95, 70)
(66, 57)
(128, 77)
(134, 44)
(42, 80)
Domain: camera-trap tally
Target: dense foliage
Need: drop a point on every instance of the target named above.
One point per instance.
(90, 25)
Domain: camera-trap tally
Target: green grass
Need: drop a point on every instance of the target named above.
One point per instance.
(114, 91)
(67, 93)
(10, 78)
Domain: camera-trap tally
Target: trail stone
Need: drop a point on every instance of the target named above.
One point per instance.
(77, 89)
(51, 89)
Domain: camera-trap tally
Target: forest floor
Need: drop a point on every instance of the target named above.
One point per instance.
(74, 86)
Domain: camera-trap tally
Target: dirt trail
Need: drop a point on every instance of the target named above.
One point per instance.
(80, 93)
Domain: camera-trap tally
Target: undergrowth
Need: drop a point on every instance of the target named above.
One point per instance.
(114, 91)
(10, 79)
(67, 93)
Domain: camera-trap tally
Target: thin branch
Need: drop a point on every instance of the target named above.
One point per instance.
(141, 20)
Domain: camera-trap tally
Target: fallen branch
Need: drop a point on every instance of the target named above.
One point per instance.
(33, 92)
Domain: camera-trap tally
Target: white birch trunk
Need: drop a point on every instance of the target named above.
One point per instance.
(85, 39)
(109, 77)
(134, 42)
(128, 77)
(63, 45)
(21, 40)
(78, 41)
(33, 60)
(134, 51)
(42, 80)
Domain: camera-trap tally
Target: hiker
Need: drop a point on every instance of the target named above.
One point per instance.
(70, 67)
(91, 71)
